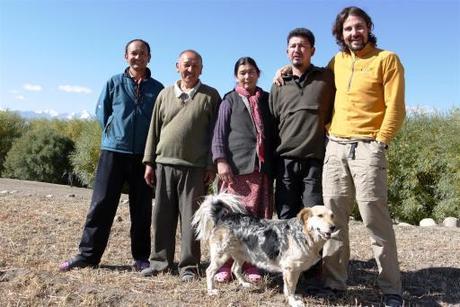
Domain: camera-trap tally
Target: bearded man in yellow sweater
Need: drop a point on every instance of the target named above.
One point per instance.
(368, 111)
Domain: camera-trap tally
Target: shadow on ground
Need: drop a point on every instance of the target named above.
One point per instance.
(436, 286)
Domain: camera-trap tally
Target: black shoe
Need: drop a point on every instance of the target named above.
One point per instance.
(329, 293)
(75, 263)
(392, 300)
(140, 265)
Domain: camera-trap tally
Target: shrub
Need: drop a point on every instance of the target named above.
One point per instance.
(424, 167)
(69, 128)
(11, 127)
(40, 155)
(85, 157)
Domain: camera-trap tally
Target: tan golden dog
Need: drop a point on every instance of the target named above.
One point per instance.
(287, 246)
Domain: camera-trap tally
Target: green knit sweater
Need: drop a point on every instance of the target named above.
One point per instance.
(180, 133)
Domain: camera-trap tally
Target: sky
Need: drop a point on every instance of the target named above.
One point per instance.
(57, 54)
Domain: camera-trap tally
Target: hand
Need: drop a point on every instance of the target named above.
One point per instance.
(209, 176)
(149, 175)
(283, 71)
(224, 171)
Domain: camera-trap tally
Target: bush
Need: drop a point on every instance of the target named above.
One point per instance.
(424, 167)
(85, 157)
(40, 155)
(69, 128)
(11, 127)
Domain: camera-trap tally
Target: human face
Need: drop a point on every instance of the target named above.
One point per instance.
(247, 77)
(355, 33)
(300, 52)
(137, 56)
(189, 67)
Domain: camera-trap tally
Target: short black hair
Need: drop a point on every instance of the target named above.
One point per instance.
(302, 32)
(243, 61)
(138, 40)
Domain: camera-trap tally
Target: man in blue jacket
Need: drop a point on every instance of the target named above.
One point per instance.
(124, 111)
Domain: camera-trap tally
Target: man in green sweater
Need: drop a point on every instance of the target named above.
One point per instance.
(178, 162)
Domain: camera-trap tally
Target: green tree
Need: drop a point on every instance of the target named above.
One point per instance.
(40, 155)
(85, 157)
(424, 167)
(11, 127)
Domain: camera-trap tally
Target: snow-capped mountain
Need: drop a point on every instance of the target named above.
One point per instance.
(51, 114)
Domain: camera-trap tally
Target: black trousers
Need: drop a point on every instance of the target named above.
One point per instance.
(113, 170)
(298, 185)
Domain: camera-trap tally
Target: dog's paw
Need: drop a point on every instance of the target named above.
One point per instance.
(213, 292)
(295, 301)
(246, 284)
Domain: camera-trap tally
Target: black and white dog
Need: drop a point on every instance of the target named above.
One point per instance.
(287, 246)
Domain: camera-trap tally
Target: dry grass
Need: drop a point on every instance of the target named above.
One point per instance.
(37, 232)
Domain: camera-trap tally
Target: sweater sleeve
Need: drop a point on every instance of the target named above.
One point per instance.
(221, 131)
(393, 84)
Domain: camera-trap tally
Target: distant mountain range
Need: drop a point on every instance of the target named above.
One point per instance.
(51, 114)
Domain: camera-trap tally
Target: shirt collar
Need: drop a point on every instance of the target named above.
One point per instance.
(148, 73)
(180, 93)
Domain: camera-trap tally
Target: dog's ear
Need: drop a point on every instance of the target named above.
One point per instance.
(304, 215)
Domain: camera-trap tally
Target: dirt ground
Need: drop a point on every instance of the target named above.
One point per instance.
(40, 225)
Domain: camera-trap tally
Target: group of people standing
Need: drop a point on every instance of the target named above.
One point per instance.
(320, 134)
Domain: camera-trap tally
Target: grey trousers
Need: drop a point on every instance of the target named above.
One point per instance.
(358, 170)
(178, 192)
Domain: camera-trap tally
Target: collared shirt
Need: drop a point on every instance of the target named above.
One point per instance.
(185, 96)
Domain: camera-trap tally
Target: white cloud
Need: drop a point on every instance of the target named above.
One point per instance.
(32, 87)
(19, 97)
(74, 89)
(14, 92)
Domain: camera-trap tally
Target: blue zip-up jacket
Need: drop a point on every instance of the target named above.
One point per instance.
(124, 112)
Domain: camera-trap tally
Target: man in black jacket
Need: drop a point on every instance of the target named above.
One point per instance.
(301, 107)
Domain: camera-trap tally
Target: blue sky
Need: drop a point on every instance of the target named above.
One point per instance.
(57, 54)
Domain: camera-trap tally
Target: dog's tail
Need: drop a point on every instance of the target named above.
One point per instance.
(213, 208)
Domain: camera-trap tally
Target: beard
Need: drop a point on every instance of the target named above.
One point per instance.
(356, 45)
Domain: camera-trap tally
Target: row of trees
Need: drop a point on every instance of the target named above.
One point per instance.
(56, 151)
(424, 159)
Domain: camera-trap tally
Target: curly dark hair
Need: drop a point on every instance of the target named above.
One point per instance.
(337, 28)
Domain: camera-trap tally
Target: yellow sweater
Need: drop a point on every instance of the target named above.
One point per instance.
(369, 101)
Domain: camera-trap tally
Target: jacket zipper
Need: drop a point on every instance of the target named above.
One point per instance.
(136, 106)
(352, 72)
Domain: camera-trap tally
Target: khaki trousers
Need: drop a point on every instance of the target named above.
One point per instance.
(178, 192)
(358, 170)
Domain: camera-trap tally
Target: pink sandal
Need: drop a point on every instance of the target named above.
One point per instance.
(224, 274)
(252, 274)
